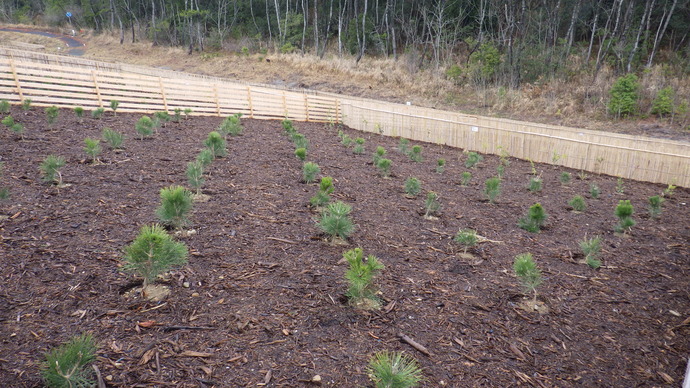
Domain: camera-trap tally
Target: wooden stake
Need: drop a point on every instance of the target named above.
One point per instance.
(215, 96)
(98, 91)
(306, 106)
(249, 100)
(165, 102)
(16, 80)
(414, 344)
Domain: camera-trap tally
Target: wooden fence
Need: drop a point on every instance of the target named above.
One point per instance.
(68, 82)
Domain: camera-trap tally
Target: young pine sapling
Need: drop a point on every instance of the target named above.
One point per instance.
(594, 190)
(52, 113)
(301, 153)
(335, 220)
(624, 212)
(309, 172)
(216, 144)
(113, 105)
(92, 147)
(534, 184)
(534, 220)
(195, 175)
(346, 140)
(322, 197)
(359, 146)
(79, 112)
(144, 127)
(205, 157)
(440, 165)
(472, 159)
(578, 203)
(378, 154)
(590, 249)
(187, 113)
(300, 141)
(413, 186)
(655, 206)
(97, 113)
(50, 169)
(565, 178)
(113, 138)
(68, 365)
(467, 238)
(415, 154)
(492, 189)
(4, 107)
(361, 292)
(394, 370)
(26, 104)
(176, 203)
(154, 252)
(177, 115)
(528, 273)
(403, 146)
(431, 204)
(466, 177)
(384, 166)
(231, 125)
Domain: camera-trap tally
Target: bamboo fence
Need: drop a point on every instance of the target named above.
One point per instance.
(69, 81)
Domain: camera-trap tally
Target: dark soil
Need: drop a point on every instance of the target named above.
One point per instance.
(265, 298)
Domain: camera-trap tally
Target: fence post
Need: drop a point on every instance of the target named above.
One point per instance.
(215, 96)
(249, 100)
(16, 80)
(285, 111)
(337, 110)
(98, 90)
(306, 107)
(165, 102)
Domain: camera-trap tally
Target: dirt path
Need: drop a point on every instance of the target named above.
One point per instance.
(74, 45)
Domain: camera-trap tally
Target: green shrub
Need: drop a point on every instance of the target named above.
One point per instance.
(594, 191)
(50, 169)
(378, 154)
(216, 144)
(69, 364)
(287, 48)
(113, 105)
(287, 125)
(500, 171)
(301, 153)
(492, 188)
(26, 104)
(335, 220)
(195, 175)
(534, 220)
(528, 273)
(534, 184)
(620, 187)
(300, 141)
(52, 113)
(18, 129)
(113, 138)
(384, 166)
(361, 292)
(79, 112)
(454, 73)
(205, 157)
(176, 203)
(92, 147)
(591, 248)
(467, 238)
(309, 172)
(160, 118)
(664, 102)
(669, 190)
(97, 113)
(394, 370)
(4, 107)
(565, 178)
(624, 211)
(8, 121)
(578, 203)
(359, 146)
(187, 113)
(472, 159)
(466, 177)
(624, 95)
(144, 127)
(154, 252)
(440, 165)
(655, 206)
(412, 186)
(322, 197)
(231, 125)
(431, 204)
(403, 146)
(415, 154)
(346, 140)
(177, 115)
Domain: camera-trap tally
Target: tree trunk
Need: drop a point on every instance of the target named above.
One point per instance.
(363, 45)
(649, 5)
(660, 32)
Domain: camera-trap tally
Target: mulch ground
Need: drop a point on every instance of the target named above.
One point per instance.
(261, 301)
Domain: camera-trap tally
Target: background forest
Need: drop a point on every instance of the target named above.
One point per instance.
(571, 55)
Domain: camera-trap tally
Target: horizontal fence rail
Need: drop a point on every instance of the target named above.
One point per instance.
(63, 81)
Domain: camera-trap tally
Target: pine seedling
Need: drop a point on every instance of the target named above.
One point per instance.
(620, 187)
(18, 129)
(594, 191)
(655, 206)
(113, 138)
(440, 165)
(431, 204)
(301, 153)
(26, 104)
(335, 220)
(384, 166)
(50, 169)
(413, 186)
(177, 115)
(346, 140)
(415, 154)
(195, 175)
(467, 238)
(309, 172)
(322, 197)
(97, 113)
(187, 113)
(534, 220)
(113, 105)
(472, 159)
(591, 248)
(205, 157)
(287, 125)
(79, 112)
(492, 189)
(69, 364)
(394, 370)
(92, 147)
(52, 113)
(300, 141)
(361, 292)
(359, 146)
(466, 177)
(528, 273)
(534, 184)
(144, 127)
(216, 144)
(8, 121)
(624, 212)
(4, 191)
(578, 203)
(668, 191)
(160, 118)
(154, 252)
(378, 154)
(176, 203)
(231, 125)
(500, 171)
(403, 146)
(565, 178)
(4, 107)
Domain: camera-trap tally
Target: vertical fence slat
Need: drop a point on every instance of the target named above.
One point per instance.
(16, 80)
(249, 100)
(165, 101)
(98, 90)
